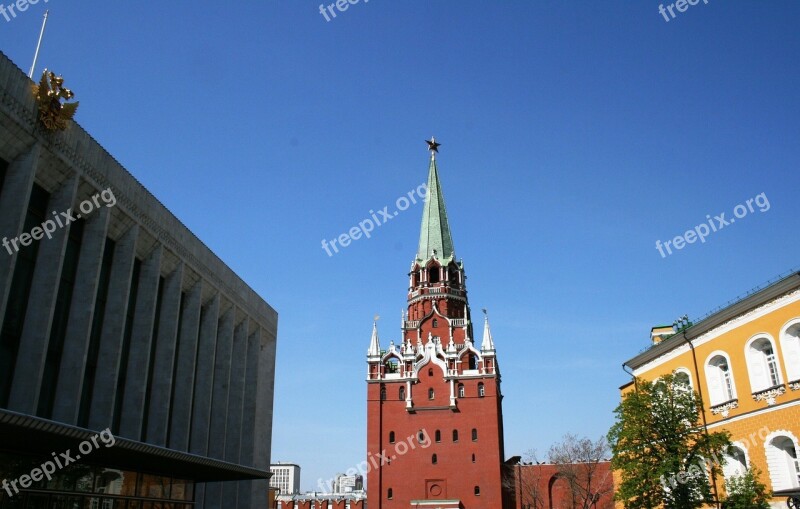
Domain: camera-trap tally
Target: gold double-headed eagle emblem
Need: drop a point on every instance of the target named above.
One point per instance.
(53, 113)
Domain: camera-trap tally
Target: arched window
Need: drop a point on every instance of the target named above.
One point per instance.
(477, 490)
(473, 458)
(481, 390)
(430, 371)
(474, 435)
(735, 463)
(434, 459)
(682, 377)
(438, 436)
(455, 435)
(433, 274)
(460, 390)
(402, 393)
(473, 361)
(452, 275)
(720, 381)
(392, 366)
(431, 394)
(790, 344)
(391, 437)
(435, 322)
(383, 393)
(389, 493)
(782, 460)
(762, 365)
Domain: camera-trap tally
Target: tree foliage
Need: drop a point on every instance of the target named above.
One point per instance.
(663, 453)
(747, 492)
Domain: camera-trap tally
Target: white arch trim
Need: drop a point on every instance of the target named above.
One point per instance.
(757, 368)
(714, 382)
(687, 373)
(729, 469)
(781, 476)
(790, 347)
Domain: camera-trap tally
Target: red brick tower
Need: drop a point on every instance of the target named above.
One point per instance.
(434, 413)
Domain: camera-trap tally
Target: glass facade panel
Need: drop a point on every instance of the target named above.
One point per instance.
(182, 490)
(153, 486)
(115, 482)
(92, 487)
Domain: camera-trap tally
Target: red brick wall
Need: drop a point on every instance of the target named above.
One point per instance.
(541, 486)
(411, 475)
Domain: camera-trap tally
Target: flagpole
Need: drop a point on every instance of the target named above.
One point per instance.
(39, 44)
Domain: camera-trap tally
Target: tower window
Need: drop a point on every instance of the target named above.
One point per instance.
(460, 390)
(481, 390)
(389, 493)
(473, 362)
(455, 435)
(473, 457)
(383, 393)
(435, 322)
(431, 394)
(453, 276)
(474, 435)
(434, 459)
(433, 275)
(402, 393)
(477, 491)
(438, 435)
(430, 372)
(391, 437)
(392, 366)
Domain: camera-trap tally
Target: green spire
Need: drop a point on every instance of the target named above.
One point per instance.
(435, 231)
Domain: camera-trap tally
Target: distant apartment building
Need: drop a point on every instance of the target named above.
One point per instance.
(115, 318)
(348, 484)
(285, 478)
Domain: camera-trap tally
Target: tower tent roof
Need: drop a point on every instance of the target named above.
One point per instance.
(434, 233)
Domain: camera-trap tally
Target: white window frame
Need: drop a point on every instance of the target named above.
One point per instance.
(686, 372)
(730, 470)
(763, 369)
(784, 471)
(790, 348)
(721, 387)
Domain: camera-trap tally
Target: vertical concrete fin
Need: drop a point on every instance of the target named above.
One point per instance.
(39, 318)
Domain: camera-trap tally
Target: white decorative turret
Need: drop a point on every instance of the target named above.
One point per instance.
(488, 342)
(374, 352)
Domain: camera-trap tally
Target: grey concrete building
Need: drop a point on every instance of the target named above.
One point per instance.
(135, 367)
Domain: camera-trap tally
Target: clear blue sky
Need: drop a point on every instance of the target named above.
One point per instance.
(575, 134)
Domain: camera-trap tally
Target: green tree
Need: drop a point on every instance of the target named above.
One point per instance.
(747, 492)
(663, 453)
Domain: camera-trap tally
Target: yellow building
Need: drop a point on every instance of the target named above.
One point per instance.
(744, 362)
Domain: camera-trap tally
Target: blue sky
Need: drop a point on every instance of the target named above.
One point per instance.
(575, 134)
